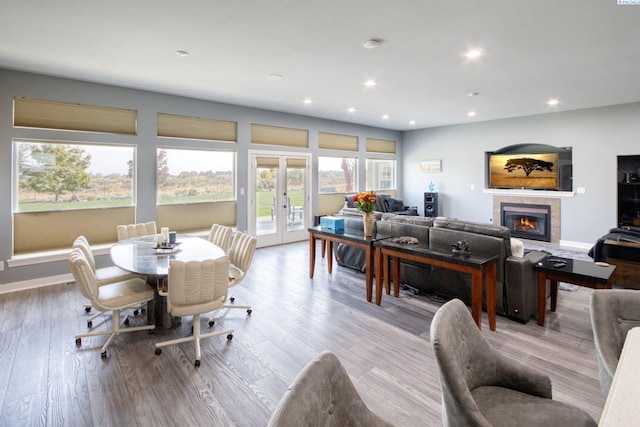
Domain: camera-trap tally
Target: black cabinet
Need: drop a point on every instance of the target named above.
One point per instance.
(628, 191)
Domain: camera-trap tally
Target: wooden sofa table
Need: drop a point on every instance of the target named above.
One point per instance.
(481, 268)
(329, 236)
(577, 272)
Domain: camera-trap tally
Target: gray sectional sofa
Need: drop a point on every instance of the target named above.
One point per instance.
(516, 279)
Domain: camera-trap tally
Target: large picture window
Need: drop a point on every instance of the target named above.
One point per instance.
(60, 176)
(189, 175)
(337, 174)
(381, 174)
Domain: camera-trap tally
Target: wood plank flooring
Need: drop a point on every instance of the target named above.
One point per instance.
(46, 381)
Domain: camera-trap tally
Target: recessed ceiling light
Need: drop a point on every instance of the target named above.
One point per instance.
(274, 77)
(473, 53)
(412, 122)
(385, 117)
(351, 110)
(182, 53)
(471, 114)
(308, 101)
(474, 93)
(372, 43)
(370, 83)
(553, 102)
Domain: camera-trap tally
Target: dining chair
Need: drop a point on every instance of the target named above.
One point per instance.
(323, 395)
(112, 297)
(196, 287)
(481, 386)
(136, 230)
(613, 313)
(241, 253)
(220, 235)
(104, 275)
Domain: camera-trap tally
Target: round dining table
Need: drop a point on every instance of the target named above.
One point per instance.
(140, 255)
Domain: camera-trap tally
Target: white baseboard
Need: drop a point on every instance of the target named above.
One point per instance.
(36, 283)
(578, 245)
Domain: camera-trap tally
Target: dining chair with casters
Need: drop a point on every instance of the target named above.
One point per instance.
(194, 288)
(483, 387)
(136, 230)
(323, 395)
(241, 253)
(220, 235)
(112, 297)
(104, 275)
(613, 313)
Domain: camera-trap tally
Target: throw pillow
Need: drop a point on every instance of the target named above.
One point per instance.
(395, 205)
(349, 200)
(517, 248)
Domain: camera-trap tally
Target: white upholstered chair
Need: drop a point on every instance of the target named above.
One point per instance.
(220, 235)
(241, 253)
(104, 275)
(196, 287)
(109, 297)
(136, 230)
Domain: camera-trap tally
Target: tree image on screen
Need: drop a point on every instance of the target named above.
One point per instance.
(528, 165)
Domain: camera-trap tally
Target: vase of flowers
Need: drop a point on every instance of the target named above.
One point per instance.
(365, 202)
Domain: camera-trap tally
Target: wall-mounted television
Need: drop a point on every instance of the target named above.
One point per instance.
(530, 166)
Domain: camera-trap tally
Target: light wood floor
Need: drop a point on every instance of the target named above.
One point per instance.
(46, 380)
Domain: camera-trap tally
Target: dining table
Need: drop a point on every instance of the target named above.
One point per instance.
(140, 255)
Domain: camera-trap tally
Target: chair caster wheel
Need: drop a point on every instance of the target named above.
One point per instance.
(232, 299)
(78, 342)
(103, 355)
(89, 324)
(126, 321)
(197, 364)
(158, 351)
(87, 309)
(249, 311)
(230, 337)
(211, 323)
(135, 312)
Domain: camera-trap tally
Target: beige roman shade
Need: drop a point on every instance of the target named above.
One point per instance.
(332, 141)
(381, 146)
(296, 163)
(267, 162)
(171, 126)
(272, 135)
(37, 113)
(190, 217)
(45, 231)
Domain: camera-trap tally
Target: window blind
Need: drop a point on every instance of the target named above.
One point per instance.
(172, 126)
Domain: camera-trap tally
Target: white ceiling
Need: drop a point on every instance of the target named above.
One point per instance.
(586, 53)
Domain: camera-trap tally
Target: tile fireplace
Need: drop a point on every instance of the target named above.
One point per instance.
(527, 221)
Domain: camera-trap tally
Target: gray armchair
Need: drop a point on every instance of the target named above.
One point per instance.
(323, 395)
(613, 313)
(482, 387)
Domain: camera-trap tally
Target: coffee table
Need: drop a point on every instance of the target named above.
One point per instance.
(577, 272)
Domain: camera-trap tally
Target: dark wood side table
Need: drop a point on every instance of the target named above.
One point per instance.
(481, 268)
(329, 236)
(577, 272)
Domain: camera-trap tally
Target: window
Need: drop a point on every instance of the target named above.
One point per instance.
(337, 174)
(381, 174)
(186, 175)
(59, 176)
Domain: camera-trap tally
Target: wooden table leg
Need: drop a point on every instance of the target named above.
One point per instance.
(369, 266)
(491, 296)
(542, 297)
(330, 256)
(381, 275)
(395, 266)
(387, 278)
(476, 297)
(324, 247)
(312, 254)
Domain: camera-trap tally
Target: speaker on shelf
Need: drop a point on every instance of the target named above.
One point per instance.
(431, 204)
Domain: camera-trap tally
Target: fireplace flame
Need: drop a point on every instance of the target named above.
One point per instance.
(527, 224)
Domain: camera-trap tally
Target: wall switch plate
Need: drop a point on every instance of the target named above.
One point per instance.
(242, 191)
(581, 190)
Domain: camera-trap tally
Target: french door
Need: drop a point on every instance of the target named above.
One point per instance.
(278, 197)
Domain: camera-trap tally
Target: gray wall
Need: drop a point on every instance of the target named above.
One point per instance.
(597, 136)
(147, 104)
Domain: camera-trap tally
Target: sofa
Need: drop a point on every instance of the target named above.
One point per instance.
(620, 247)
(384, 204)
(516, 278)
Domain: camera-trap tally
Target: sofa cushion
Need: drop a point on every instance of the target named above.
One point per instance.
(394, 205)
(478, 228)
